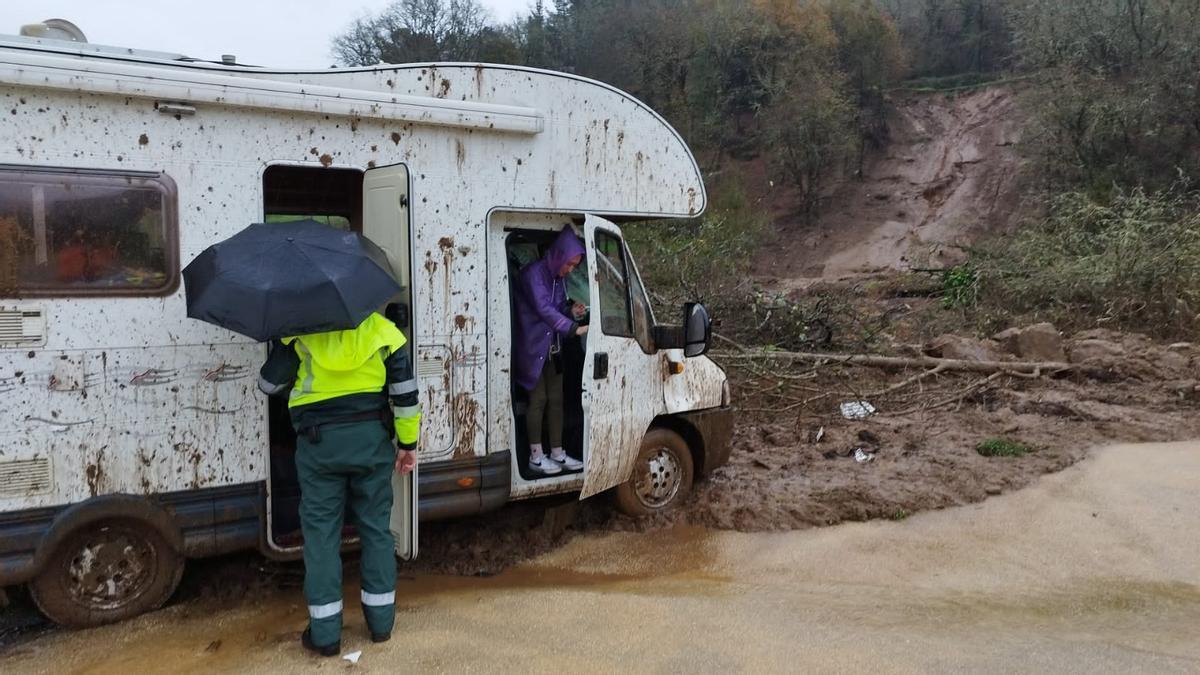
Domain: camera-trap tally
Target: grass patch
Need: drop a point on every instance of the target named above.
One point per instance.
(956, 83)
(1000, 447)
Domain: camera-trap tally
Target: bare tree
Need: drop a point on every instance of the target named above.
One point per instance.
(414, 31)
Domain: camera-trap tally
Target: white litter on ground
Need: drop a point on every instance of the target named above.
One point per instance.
(861, 455)
(857, 410)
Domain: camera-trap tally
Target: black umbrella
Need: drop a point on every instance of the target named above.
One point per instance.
(279, 279)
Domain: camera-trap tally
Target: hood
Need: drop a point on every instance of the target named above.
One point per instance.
(565, 247)
(345, 350)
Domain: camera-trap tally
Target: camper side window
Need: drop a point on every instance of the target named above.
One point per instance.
(77, 232)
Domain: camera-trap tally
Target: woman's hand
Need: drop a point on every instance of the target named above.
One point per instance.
(582, 330)
(578, 309)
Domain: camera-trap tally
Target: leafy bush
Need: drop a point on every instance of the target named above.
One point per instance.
(709, 259)
(1132, 261)
(960, 286)
(706, 258)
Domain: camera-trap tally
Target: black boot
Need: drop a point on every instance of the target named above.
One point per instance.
(380, 637)
(327, 650)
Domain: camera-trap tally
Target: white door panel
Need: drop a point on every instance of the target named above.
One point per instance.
(622, 385)
(386, 222)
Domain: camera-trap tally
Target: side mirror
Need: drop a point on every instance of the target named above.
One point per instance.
(697, 330)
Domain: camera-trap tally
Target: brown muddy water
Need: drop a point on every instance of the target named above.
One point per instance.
(1095, 569)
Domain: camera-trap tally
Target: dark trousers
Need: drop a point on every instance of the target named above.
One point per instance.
(546, 399)
(352, 464)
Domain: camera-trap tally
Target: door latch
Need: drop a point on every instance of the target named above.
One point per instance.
(600, 366)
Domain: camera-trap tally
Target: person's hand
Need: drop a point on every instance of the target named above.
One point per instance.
(582, 330)
(578, 309)
(406, 461)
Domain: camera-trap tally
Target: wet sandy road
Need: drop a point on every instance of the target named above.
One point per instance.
(1096, 569)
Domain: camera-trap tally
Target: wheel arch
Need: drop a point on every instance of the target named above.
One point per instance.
(690, 435)
(108, 507)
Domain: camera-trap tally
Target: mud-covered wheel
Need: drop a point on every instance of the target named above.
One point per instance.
(662, 475)
(107, 571)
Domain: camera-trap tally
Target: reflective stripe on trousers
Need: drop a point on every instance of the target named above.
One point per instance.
(378, 599)
(325, 611)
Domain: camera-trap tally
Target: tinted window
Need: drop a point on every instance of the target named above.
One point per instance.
(643, 315)
(86, 233)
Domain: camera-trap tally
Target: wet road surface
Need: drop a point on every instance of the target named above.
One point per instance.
(1095, 569)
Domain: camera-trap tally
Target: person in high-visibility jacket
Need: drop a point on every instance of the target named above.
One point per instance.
(340, 383)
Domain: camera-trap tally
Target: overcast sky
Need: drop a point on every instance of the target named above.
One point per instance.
(276, 33)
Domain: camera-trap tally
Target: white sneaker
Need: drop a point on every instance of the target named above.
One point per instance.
(567, 462)
(545, 466)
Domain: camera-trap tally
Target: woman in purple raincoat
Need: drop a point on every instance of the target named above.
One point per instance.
(543, 319)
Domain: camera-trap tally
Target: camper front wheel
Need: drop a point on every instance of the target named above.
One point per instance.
(107, 571)
(662, 475)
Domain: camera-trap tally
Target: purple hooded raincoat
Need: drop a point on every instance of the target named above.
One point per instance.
(542, 309)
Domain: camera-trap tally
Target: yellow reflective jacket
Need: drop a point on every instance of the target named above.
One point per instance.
(342, 363)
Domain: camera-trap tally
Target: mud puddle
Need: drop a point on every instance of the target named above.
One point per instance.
(1092, 569)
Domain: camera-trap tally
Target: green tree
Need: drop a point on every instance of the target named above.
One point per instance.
(953, 37)
(811, 131)
(1120, 97)
(871, 57)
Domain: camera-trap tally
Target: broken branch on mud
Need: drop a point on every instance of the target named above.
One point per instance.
(958, 397)
(1026, 368)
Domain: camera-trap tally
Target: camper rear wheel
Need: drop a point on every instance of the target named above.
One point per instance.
(662, 475)
(107, 571)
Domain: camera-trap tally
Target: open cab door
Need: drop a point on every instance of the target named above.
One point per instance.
(386, 222)
(622, 381)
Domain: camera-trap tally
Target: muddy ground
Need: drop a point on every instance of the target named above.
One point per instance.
(1089, 571)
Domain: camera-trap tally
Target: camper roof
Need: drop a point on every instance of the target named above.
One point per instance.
(623, 158)
(86, 48)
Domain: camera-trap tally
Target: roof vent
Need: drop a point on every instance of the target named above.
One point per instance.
(229, 59)
(54, 29)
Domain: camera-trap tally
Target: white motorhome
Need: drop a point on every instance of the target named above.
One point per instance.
(132, 437)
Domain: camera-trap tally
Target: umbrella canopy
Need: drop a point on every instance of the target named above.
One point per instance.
(279, 279)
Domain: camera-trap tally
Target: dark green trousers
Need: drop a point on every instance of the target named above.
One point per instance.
(351, 465)
(546, 401)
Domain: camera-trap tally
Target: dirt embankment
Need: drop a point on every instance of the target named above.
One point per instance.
(947, 176)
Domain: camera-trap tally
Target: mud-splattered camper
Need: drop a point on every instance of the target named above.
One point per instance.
(132, 437)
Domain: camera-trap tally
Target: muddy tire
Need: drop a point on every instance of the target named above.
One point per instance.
(107, 571)
(662, 476)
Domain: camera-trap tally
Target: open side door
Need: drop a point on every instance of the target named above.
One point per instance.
(622, 382)
(386, 222)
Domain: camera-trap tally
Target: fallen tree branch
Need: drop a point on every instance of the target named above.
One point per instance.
(912, 380)
(959, 396)
(871, 360)
(797, 404)
(740, 346)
